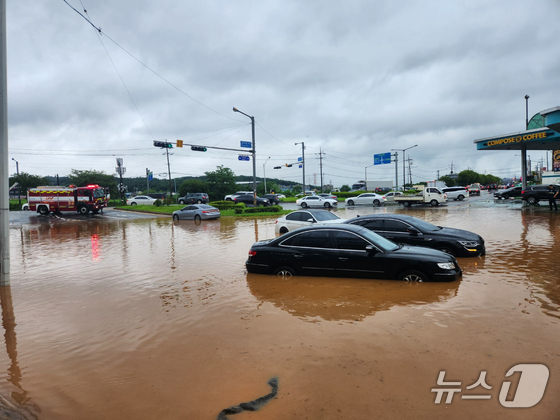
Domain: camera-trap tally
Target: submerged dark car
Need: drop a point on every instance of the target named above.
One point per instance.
(512, 192)
(412, 231)
(348, 251)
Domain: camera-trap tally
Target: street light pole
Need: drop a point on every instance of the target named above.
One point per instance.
(254, 152)
(19, 188)
(302, 164)
(527, 112)
(264, 173)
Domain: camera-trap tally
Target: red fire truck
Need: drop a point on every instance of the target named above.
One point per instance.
(80, 199)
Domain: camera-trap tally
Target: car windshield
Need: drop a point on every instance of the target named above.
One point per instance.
(325, 215)
(380, 241)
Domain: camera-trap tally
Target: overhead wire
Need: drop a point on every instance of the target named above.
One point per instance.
(100, 31)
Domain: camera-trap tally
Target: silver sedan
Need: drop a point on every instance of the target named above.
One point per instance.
(197, 212)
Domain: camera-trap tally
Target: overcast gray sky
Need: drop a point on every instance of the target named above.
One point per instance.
(352, 79)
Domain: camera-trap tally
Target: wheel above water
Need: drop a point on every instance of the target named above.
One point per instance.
(413, 276)
(285, 272)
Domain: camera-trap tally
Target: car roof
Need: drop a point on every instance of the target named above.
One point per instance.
(312, 211)
(402, 217)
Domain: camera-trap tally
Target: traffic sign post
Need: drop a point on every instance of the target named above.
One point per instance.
(244, 157)
(247, 144)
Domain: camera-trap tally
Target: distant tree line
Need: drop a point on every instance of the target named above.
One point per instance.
(468, 177)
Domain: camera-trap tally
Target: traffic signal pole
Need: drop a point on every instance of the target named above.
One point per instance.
(4, 171)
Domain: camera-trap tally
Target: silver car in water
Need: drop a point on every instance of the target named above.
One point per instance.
(197, 212)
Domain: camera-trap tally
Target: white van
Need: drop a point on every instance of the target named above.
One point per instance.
(456, 193)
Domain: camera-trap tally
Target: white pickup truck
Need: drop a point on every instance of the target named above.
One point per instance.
(433, 196)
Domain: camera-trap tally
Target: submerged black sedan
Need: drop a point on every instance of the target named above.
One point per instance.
(348, 251)
(410, 230)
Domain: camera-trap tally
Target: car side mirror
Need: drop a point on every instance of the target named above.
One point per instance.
(371, 249)
(311, 220)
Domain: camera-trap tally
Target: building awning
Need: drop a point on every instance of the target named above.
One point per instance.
(543, 134)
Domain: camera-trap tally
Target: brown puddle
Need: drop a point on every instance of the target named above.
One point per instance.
(147, 319)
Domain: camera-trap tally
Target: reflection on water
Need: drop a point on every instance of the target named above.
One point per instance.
(129, 319)
(334, 299)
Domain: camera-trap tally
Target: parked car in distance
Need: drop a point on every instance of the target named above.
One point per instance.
(301, 218)
(192, 198)
(456, 193)
(327, 195)
(141, 200)
(316, 201)
(410, 230)
(272, 198)
(197, 212)
(341, 250)
(511, 192)
(248, 200)
(390, 196)
(371, 199)
(232, 196)
(535, 193)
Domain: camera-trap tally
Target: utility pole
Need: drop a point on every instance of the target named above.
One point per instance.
(410, 170)
(4, 171)
(121, 170)
(169, 173)
(321, 166)
(302, 163)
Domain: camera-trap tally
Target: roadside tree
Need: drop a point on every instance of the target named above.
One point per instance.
(193, 186)
(83, 178)
(450, 182)
(221, 182)
(26, 181)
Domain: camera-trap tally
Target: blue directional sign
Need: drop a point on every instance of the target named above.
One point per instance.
(150, 176)
(243, 157)
(382, 158)
(299, 159)
(246, 144)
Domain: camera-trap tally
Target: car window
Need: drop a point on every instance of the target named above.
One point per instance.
(314, 239)
(395, 226)
(312, 198)
(299, 216)
(325, 215)
(372, 224)
(347, 240)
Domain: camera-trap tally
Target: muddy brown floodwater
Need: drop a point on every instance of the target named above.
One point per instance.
(150, 319)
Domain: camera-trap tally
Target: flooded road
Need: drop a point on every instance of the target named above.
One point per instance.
(150, 319)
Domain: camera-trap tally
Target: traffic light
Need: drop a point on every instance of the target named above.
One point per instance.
(277, 167)
(288, 165)
(163, 144)
(198, 148)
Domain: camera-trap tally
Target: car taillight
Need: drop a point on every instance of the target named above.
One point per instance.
(276, 222)
(252, 253)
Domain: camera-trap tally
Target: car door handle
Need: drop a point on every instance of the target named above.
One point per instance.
(343, 258)
(298, 256)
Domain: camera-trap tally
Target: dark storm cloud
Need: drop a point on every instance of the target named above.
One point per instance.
(353, 78)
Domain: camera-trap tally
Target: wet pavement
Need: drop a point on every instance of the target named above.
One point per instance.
(123, 317)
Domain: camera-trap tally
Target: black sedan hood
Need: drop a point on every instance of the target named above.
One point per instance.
(426, 254)
(460, 234)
